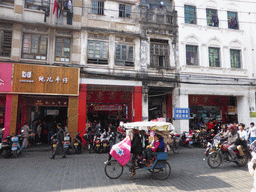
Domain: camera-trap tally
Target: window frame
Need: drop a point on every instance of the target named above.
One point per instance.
(126, 12)
(232, 57)
(63, 58)
(186, 13)
(99, 8)
(235, 26)
(37, 4)
(155, 58)
(126, 62)
(9, 43)
(38, 47)
(209, 17)
(209, 55)
(196, 57)
(100, 60)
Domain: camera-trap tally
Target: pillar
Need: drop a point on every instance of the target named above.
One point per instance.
(137, 104)
(145, 103)
(180, 100)
(11, 108)
(243, 111)
(72, 115)
(169, 107)
(82, 110)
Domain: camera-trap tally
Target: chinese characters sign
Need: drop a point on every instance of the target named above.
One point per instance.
(5, 77)
(181, 113)
(45, 79)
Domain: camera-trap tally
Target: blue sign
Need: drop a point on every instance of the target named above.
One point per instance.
(181, 113)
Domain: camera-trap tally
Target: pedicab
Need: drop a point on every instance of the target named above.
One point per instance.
(160, 168)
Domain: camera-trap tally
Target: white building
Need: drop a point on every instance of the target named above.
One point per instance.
(216, 61)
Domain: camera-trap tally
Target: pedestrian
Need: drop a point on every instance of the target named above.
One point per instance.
(252, 132)
(136, 149)
(25, 133)
(60, 142)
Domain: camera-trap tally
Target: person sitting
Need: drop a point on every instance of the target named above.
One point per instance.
(150, 151)
(136, 149)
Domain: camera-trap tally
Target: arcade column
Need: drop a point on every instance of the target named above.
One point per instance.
(72, 115)
(11, 108)
(82, 109)
(137, 104)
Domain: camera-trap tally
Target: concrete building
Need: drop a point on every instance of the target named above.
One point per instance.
(216, 61)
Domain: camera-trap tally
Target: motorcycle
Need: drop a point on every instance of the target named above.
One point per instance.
(211, 147)
(1, 139)
(54, 142)
(16, 145)
(221, 154)
(67, 143)
(77, 144)
(186, 140)
(210, 136)
(88, 136)
(7, 146)
(173, 143)
(104, 142)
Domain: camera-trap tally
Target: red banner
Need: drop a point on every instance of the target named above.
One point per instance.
(208, 100)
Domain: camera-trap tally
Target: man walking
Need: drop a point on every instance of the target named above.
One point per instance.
(60, 138)
(252, 132)
(25, 133)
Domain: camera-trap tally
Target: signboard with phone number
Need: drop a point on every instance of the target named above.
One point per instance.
(181, 113)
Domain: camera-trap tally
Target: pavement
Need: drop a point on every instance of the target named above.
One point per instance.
(35, 172)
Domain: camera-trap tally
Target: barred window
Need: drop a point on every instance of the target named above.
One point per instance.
(214, 57)
(98, 7)
(190, 14)
(191, 55)
(98, 52)
(159, 53)
(235, 58)
(124, 55)
(34, 46)
(212, 17)
(5, 43)
(233, 20)
(37, 4)
(124, 11)
(62, 49)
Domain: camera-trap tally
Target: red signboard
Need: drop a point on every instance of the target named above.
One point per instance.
(208, 100)
(5, 77)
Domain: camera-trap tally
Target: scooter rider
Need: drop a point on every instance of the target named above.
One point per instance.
(233, 140)
(60, 138)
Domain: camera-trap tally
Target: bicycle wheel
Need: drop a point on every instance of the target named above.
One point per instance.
(114, 169)
(162, 170)
(175, 147)
(214, 160)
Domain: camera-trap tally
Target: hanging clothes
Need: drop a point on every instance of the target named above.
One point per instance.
(55, 7)
(69, 17)
(215, 21)
(46, 13)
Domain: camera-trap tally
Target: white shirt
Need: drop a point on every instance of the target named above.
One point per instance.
(243, 134)
(252, 130)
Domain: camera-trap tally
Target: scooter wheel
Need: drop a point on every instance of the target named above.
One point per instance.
(190, 146)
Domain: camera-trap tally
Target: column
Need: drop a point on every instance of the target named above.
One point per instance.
(243, 111)
(82, 110)
(11, 108)
(145, 103)
(180, 100)
(137, 104)
(72, 115)
(169, 107)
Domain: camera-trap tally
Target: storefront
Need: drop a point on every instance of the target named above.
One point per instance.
(206, 107)
(45, 94)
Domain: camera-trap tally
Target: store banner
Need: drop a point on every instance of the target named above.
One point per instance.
(5, 77)
(48, 80)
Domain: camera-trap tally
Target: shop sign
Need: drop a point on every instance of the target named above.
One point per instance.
(231, 110)
(108, 108)
(252, 114)
(38, 79)
(181, 113)
(5, 77)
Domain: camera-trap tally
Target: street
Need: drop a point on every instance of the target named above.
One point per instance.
(35, 172)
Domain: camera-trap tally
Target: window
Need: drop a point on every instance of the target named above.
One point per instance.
(212, 17)
(159, 53)
(37, 4)
(98, 7)
(235, 58)
(7, 2)
(124, 55)
(97, 52)
(124, 11)
(190, 14)
(191, 55)
(62, 49)
(214, 57)
(5, 43)
(232, 20)
(34, 46)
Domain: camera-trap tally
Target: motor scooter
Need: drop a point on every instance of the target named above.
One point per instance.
(104, 142)
(16, 145)
(1, 139)
(88, 137)
(67, 143)
(186, 139)
(77, 144)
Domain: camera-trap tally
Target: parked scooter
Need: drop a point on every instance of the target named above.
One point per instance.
(1, 139)
(97, 143)
(104, 142)
(88, 136)
(186, 140)
(7, 146)
(67, 143)
(16, 145)
(77, 144)
(54, 142)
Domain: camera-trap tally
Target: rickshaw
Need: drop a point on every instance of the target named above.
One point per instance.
(160, 169)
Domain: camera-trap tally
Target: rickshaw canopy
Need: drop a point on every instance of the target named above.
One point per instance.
(156, 126)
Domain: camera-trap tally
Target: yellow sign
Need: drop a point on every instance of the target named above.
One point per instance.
(252, 114)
